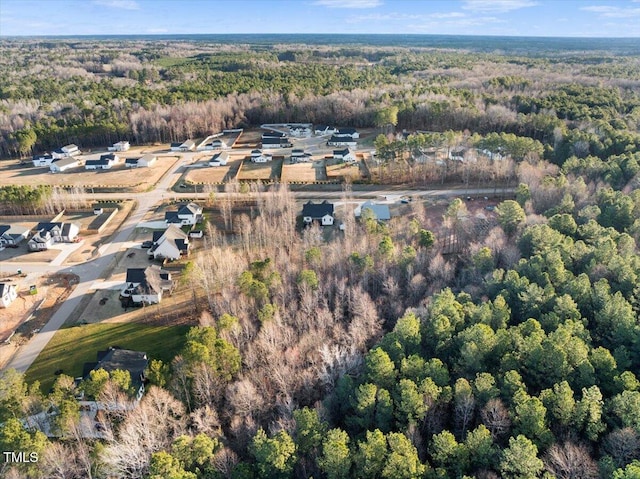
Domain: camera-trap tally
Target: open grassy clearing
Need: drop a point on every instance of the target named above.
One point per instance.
(213, 174)
(71, 347)
(301, 172)
(260, 171)
(344, 170)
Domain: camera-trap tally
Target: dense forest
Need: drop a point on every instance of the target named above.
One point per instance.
(449, 346)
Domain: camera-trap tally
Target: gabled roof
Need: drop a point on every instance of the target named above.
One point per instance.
(100, 162)
(149, 157)
(48, 226)
(109, 157)
(222, 156)
(343, 152)
(341, 139)
(131, 161)
(347, 131)
(189, 209)
(273, 134)
(66, 161)
(15, 231)
(45, 156)
(152, 276)
(317, 210)
(380, 212)
(176, 145)
(170, 217)
(272, 141)
(135, 362)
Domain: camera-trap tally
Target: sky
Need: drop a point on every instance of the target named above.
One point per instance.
(567, 18)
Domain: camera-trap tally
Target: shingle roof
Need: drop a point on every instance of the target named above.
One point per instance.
(380, 212)
(65, 161)
(170, 217)
(135, 362)
(189, 209)
(317, 210)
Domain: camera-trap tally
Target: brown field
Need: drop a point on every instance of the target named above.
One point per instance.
(260, 171)
(13, 173)
(344, 170)
(213, 174)
(302, 172)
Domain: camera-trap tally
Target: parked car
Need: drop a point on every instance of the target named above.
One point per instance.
(147, 244)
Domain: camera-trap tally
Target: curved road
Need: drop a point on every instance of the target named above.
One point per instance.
(95, 269)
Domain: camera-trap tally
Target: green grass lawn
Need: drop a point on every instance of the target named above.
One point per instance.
(71, 347)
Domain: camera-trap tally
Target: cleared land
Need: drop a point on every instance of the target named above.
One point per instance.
(260, 171)
(301, 172)
(120, 177)
(213, 174)
(344, 170)
(71, 347)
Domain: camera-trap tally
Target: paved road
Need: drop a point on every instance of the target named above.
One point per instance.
(89, 273)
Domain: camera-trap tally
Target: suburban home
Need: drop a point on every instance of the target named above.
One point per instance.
(299, 156)
(42, 160)
(64, 164)
(256, 153)
(300, 131)
(273, 134)
(341, 141)
(187, 214)
(219, 144)
(348, 132)
(457, 154)
(104, 163)
(262, 158)
(345, 155)
(147, 161)
(12, 235)
(131, 162)
(321, 212)
(271, 142)
(120, 146)
(146, 285)
(169, 244)
(378, 211)
(65, 152)
(325, 130)
(134, 362)
(187, 145)
(8, 294)
(219, 159)
(49, 233)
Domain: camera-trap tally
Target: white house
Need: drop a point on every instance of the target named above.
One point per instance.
(42, 160)
(49, 233)
(12, 235)
(345, 155)
(348, 132)
(147, 161)
(263, 158)
(219, 144)
(104, 163)
(300, 131)
(169, 244)
(271, 142)
(146, 285)
(120, 146)
(187, 145)
(64, 164)
(322, 212)
(219, 159)
(342, 141)
(8, 294)
(321, 130)
(65, 152)
(299, 156)
(187, 214)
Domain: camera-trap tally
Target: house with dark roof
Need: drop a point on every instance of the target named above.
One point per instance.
(134, 362)
(186, 214)
(49, 233)
(170, 244)
(325, 130)
(321, 212)
(131, 162)
(120, 146)
(345, 155)
(273, 134)
(341, 141)
(300, 130)
(300, 156)
(8, 294)
(146, 285)
(104, 163)
(271, 142)
(42, 160)
(187, 145)
(12, 235)
(350, 132)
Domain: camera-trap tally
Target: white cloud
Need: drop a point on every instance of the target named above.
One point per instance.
(121, 4)
(349, 3)
(497, 6)
(610, 11)
(448, 15)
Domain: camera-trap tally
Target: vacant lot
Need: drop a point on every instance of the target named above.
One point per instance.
(344, 170)
(119, 177)
(71, 347)
(302, 172)
(260, 171)
(213, 174)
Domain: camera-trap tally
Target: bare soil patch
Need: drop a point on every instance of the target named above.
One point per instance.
(261, 171)
(214, 174)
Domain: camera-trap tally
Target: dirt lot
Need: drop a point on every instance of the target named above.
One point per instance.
(52, 291)
(12, 172)
(302, 172)
(22, 254)
(344, 170)
(212, 175)
(261, 171)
